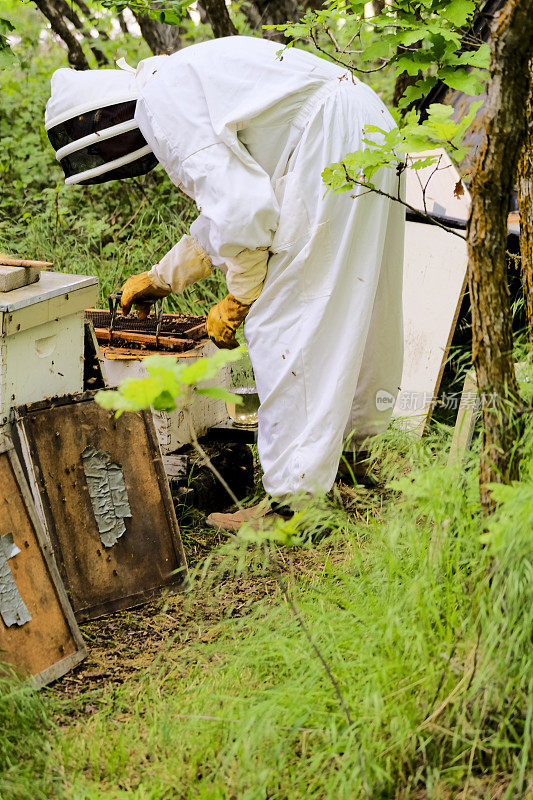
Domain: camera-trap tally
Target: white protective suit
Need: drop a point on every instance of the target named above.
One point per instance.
(247, 134)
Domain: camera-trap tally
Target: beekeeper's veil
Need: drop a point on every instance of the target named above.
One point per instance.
(90, 122)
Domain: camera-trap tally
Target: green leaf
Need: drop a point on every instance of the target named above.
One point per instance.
(447, 34)
(416, 91)
(219, 393)
(112, 400)
(458, 12)
(421, 163)
(476, 58)
(408, 38)
(8, 59)
(140, 392)
(169, 381)
(467, 82)
(165, 401)
(439, 112)
(382, 48)
(6, 26)
(412, 64)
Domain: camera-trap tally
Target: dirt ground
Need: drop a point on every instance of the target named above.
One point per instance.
(120, 644)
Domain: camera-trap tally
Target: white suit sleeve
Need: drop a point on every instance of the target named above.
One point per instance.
(186, 263)
(246, 274)
(238, 209)
(238, 215)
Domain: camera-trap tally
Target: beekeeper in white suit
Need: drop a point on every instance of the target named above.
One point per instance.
(317, 276)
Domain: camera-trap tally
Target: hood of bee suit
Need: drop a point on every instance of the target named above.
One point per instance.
(90, 121)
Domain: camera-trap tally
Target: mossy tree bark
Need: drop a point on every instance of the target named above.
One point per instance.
(492, 182)
(525, 206)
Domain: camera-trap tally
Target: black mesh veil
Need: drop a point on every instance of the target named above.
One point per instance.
(138, 167)
(101, 152)
(90, 122)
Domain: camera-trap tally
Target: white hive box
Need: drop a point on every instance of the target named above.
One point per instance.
(41, 339)
(172, 428)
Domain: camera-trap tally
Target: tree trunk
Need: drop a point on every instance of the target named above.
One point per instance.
(492, 182)
(203, 14)
(525, 207)
(88, 14)
(67, 11)
(76, 56)
(162, 39)
(218, 17)
(271, 12)
(123, 24)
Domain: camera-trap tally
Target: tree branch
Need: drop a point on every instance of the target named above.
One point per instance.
(68, 12)
(76, 56)
(371, 188)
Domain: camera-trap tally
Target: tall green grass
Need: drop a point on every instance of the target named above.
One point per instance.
(25, 725)
(423, 612)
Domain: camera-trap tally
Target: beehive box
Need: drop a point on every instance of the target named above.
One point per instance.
(41, 339)
(39, 636)
(172, 427)
(122, 359)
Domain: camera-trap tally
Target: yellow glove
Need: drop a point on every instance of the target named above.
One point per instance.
(141, 292)
(224, 319)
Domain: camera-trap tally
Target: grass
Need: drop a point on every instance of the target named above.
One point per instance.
(25, 724)
(118, 246)
(422, 610)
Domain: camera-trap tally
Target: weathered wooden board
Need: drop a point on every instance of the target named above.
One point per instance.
(23, 262)
(118, 556)
(39, 635)
(470, 410)
(435, 265)
(15, 277)
(433, 287)
(165, 343)
(465, 422)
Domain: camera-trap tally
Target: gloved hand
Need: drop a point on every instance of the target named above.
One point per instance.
(224, 319)
(141, 292)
